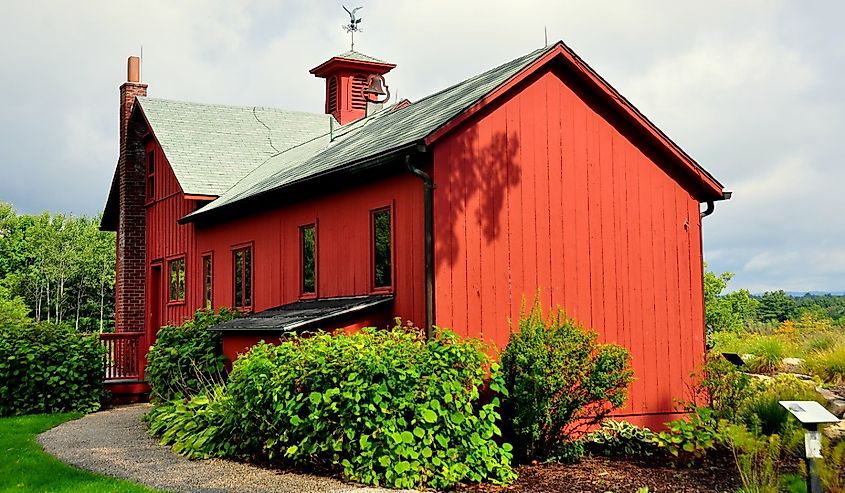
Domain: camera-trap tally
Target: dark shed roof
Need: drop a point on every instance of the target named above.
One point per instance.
(301, 315)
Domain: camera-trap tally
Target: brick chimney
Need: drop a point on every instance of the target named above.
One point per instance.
(346, 78)
(130, 280)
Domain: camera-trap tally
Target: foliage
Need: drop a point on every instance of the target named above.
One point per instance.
(62, 267)
(560, 381)
(45, 369)
(198, 428)
(762, 413)
(570, 452)
(621, 438)
(776, 306)
(829, 364)
(26, 467)
(386, 407)
(768, 352)
(822, 342)
(188, 358)
(13, 309)
(688, 439)
(832, 466)
(722, 386)
(757, 458)
(728, 312)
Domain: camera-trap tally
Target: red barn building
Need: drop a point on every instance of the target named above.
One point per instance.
(451, 210)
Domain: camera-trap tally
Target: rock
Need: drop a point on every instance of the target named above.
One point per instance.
(835, 431)
(792, 365)
(837, 407)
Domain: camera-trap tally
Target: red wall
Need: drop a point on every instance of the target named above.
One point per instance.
(551, 191)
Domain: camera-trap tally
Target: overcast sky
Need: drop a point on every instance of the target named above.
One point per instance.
(752, 90)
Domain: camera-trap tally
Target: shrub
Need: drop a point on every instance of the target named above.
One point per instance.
(198, 428)
(621, 438)
(386, 407)
(768, 354)
(762, 413)
(560, 381)
(829, 365)
(48, 369)
(722, 385)
(13, 309)
(757, 458)
(832, 467)
(187, 359)
(690, 438)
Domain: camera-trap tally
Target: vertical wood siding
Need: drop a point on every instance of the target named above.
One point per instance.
(551, 191)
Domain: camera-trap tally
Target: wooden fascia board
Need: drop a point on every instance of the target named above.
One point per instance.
(712, 186)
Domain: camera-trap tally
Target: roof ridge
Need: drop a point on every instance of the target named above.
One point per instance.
(232, 106)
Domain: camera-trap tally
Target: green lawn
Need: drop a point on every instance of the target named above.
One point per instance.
(25, 467)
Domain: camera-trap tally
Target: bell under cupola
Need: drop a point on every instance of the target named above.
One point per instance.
(353, 80)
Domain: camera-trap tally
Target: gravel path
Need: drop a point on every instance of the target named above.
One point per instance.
(115, 443)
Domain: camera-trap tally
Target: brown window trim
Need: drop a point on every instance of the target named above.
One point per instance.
(303, 295)
(250, 245)
(372, 247)
(168, 262)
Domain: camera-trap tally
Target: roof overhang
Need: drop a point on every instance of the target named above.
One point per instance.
(559, 52)
(337, 64)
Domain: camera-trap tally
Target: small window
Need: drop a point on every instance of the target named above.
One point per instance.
(308, 245)
(243, 277)
(176, 267)
(380, 226)
(151, 171)
(207, 280)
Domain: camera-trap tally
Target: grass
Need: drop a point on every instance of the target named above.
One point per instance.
(828, 364)
(25, 467)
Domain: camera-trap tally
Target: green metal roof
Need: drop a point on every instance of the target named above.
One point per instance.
(389, 130)
(212, 147)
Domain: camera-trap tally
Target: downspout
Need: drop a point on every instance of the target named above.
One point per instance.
(428, 212)
(709, 210)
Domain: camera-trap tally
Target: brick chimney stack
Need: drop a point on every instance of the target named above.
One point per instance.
(130, 280)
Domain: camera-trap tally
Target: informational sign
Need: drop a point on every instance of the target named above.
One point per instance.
(813, 445)
(809, 412)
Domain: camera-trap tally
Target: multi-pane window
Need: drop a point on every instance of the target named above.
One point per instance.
(176, 267)
(151, 171)
(308, 248)
(242, 258)
(207, 281)
(380, 231)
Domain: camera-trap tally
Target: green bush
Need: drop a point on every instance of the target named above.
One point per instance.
(198, 428)
(49, 369)
(829, 365)
(386, 407)
(768, 352)
(758, 458)
(690, 438)
(762, 413)
(621, 439)
(187, 359)
(722, 385)
(560, 381)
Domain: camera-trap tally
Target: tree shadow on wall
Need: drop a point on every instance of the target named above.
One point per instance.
(480, 172)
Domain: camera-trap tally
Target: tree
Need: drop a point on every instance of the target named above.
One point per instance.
(776, 306)
(13, 310)
(729, 312)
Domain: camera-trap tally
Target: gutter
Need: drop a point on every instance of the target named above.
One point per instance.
(428, 211)
(711, 206)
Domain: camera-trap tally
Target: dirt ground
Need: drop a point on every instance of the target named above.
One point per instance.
(597, 474)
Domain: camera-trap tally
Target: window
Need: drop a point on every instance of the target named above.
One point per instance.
(382, 253)
(308, 247)
(207, 280)
(151, 171)
(243, 277)
(176, 267)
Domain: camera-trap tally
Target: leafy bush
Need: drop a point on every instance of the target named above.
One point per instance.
(762, 413)
(386, 407)
(621, 438)
(13, 309)
(48, 369)
(722, 386)
(198, 428)
(829, 365)
(560, 382)
(757, 458)
(768, 355)
(187, 359)
(690, 438)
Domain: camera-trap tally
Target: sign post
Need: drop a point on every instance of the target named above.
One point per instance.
(811, 414)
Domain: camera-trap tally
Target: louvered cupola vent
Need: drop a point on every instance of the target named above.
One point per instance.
(346, 78)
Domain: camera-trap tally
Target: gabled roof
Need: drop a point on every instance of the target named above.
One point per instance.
(212, 147)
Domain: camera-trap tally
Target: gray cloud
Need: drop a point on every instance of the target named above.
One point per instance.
(750, 89)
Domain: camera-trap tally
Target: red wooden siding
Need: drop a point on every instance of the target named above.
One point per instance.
(550, 191)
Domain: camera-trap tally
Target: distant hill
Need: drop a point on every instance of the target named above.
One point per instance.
(798, 294)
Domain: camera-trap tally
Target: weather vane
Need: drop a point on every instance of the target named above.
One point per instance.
(352, 27)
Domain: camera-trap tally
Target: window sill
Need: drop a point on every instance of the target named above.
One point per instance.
(175, 302)
(307, 296)
(385, 290)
